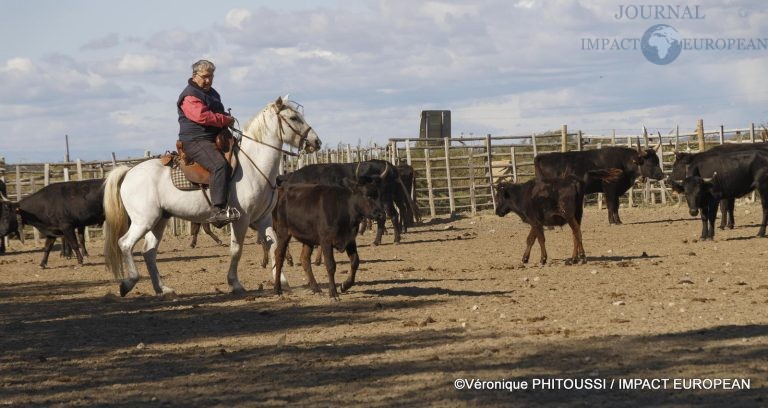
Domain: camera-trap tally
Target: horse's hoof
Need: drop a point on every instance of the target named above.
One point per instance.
(124, 289)
(345, 286)
(171, 295)
(238, 290)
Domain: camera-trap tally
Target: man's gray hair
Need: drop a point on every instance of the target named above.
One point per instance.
(203, 66)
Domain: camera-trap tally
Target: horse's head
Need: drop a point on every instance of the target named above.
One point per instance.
(293, 128)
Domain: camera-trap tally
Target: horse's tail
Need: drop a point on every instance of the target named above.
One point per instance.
(116, 221)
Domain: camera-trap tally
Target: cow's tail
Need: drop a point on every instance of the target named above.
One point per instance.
(412, 198)
(116, 221)
(408, 204)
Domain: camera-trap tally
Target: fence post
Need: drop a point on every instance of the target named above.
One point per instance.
(700, 133)
(533, 143)
(613, 137)
(32, 189)
(677, 138)
(752, 133)
(514, 164)
(447, 148)
(408, 151)
(18, 183)
(722, 134)
(428, 168)
(472, 202)
(579, 140)
(563, 139)
(489, 157)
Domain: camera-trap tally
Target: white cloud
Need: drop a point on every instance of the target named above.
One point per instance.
(236, 18)
(19, 66)
(139, 64)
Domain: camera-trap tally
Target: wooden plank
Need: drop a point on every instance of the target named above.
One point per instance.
(446, 146)
(489, 160)
(472, 201)
(428, 164)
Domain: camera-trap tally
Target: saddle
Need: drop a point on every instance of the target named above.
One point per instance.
(194, 175)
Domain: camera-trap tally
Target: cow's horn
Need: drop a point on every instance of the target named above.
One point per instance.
(639, 150)
(709, 179)
(384, 173)
(658, 145)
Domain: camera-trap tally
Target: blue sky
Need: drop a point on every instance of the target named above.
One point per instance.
(108, 73)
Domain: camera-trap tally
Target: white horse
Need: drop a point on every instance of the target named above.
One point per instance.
(138, 201)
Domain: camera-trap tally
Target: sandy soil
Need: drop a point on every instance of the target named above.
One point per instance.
(451, 302)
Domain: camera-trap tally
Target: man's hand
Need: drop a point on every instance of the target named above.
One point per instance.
(231, 121)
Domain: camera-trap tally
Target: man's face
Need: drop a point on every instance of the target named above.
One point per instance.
(203, 79)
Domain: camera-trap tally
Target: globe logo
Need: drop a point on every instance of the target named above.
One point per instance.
(661, 44)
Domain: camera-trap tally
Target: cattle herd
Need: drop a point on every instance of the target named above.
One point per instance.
(324, 205)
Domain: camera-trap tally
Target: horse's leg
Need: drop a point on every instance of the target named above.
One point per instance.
(265, 230)
(239, 228)
(126, 244)
(151, 242)
(81, 239)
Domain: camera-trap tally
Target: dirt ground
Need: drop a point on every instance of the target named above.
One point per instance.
(451, 302)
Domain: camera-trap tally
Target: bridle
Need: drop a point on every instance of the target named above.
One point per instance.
(280, 132)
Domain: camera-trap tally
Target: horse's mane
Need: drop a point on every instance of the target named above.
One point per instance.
(255, 128)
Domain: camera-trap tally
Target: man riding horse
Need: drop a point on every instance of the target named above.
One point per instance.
(201, 119)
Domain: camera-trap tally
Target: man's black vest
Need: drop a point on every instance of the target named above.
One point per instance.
(189, 130)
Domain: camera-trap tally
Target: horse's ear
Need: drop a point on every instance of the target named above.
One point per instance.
(279, 103)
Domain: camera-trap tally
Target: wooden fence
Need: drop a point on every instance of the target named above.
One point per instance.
(453, 175)
(456, 175)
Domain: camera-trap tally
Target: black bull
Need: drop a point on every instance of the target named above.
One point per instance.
(632, 163)
(9, 222)
(392, 192)
(725, 175)
(550, 202)
(59, 210)
(327, 216)
(684, 160)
